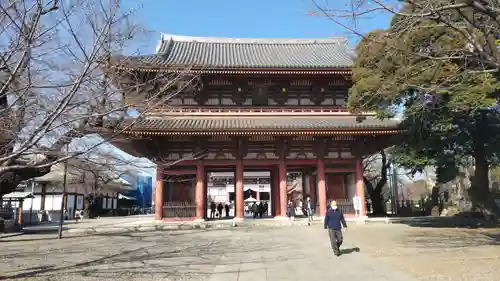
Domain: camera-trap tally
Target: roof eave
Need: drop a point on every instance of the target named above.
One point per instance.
(233, 70)
(336, 131)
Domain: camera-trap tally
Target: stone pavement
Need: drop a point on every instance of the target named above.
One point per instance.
(146, 223)
(387, 252)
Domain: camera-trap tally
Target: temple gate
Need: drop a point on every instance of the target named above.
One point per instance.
(251, 104)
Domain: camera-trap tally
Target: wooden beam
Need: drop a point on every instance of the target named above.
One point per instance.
(339, 170)
(265, 162)
(179, 172)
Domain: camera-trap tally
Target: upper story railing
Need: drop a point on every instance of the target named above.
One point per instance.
(207, 110)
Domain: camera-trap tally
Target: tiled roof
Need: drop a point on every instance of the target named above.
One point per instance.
(261, 123)
(234, 53)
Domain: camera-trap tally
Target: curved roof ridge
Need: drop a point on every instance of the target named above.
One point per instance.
(328, 40)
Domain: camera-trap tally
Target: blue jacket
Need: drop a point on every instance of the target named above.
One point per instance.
(334, 219)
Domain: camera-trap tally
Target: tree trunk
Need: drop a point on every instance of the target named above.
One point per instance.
(480, 188)
(378, 204)
(375, 197)
(436, 206)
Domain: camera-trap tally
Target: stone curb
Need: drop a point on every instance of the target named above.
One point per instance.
(8, 235)
(181, 226)
(159, 226)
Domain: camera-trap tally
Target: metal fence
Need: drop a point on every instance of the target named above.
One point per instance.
(399, 208)
(6, 213)
(29, 217)
(184, 209)
(344, 205)
(411, 208)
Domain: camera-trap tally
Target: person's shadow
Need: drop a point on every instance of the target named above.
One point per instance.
(349, 250)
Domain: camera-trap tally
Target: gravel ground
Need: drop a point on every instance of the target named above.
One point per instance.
(387, 252)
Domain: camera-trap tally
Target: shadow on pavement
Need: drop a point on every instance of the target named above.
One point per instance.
(169, 255)
(349, 251)
(495, 237)
(43, 229)
(37, 236)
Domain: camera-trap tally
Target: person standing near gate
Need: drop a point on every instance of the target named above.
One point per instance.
(213, 207)
(309, 210)
(335, 223)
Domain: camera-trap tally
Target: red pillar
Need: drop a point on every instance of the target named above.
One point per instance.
(360, 186)
(312, 190)
(200, 190)
(275, 192)
(283, 190)
(159, 193)
(20, 213)
(257, 195)
(240, 200)
(321, 187)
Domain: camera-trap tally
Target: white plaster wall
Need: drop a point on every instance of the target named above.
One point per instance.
(327, 101)
(346, 154)
(53, 202)
(227, 101)
(332, 154)
(27, 203)
(292, 102)
(340, 102)
(190, 101)
(175, 101)
(305, 101)
(212, 101)
(37, 202)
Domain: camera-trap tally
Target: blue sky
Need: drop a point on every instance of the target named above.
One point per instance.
(243, 18)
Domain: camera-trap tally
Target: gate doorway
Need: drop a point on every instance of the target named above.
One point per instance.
(221, 195)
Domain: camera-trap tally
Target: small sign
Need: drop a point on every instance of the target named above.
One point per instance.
(356, 201)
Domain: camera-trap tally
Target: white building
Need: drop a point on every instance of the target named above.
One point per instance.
(83, 178)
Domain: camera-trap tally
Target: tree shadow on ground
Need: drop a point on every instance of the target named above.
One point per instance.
(495, 237)
(450, 240)
(458, 221)
(51, 235)
(192, 254)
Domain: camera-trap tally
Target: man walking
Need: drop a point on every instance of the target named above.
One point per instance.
(309, 210)
(334, 221)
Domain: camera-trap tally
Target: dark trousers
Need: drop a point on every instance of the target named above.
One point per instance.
(336, 239)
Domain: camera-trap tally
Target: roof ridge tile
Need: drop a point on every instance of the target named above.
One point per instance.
(233, 40)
